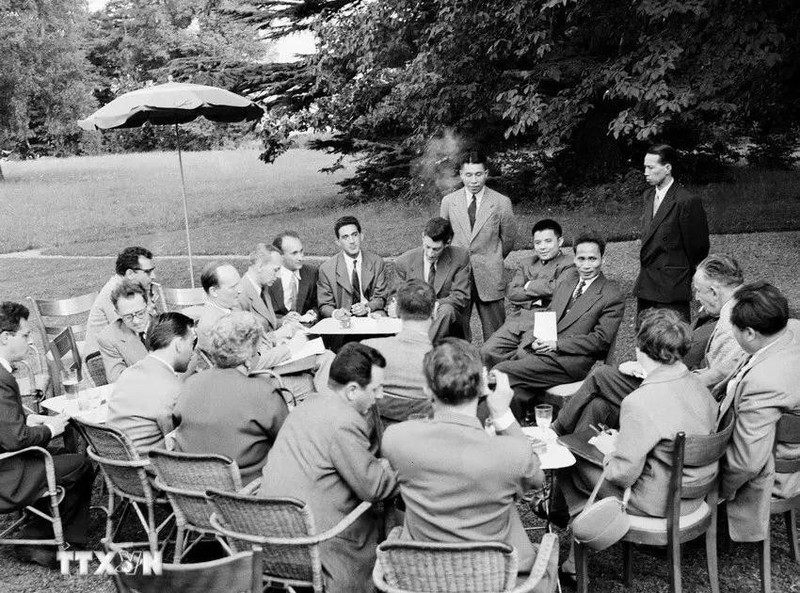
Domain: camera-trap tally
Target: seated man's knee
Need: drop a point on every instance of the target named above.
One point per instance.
(448, 312)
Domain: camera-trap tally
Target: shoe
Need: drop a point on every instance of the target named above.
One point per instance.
(560, 520)
(37, 555)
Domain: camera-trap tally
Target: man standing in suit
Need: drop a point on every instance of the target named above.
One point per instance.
(296, 293)
(758, 393)
(403, 384)
(134, 264)
(446, 269)
(460, 484)
(122, 343)
(23, 478)
(588, 310)
(322, 457)
(674, 237)
(483, 223)
(354, 280)
(144, 396)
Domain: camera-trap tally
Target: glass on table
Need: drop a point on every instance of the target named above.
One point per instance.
(69, 379)
(544, 415)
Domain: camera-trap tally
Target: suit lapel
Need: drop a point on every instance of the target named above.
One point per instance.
(442, 267)
(341, 274)
(459, 212)
(666, 205)
(258, 303)
(275, 292)
(561, 297)
(484, 212)
(584, 303)
(367, 273)
(302, 289)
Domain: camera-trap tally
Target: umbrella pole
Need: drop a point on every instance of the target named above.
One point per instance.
(185, 207)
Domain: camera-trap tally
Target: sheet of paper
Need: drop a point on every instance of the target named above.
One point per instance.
(544, 326)
(310, 348)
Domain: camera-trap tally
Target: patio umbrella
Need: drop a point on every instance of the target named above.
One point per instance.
(173, 103)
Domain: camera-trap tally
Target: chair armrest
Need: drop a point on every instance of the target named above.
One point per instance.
(143, 463)
(547, 555)
(251, 487)
(294, 541)
(395, 534)
(49, 468)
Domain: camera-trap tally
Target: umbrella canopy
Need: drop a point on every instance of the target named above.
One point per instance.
(171, 103)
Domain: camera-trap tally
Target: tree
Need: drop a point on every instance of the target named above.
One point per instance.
(44, 80)
(583, 83)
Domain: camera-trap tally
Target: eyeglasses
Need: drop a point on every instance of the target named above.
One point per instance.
(147, 271)
(129, 317)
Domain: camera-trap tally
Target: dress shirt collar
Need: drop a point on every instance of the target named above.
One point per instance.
(449, 417)
(666, 372)
(211, 301)
(286, 273)
(660, 193)
(165, 363)
(588, 283)
(478, 197)
(5, 364)
(254, 284)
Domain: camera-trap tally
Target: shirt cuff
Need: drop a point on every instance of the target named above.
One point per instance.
(504, 421)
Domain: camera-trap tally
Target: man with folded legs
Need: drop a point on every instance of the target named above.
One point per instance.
(322, 456)
(23, 478)
(460, 484)
(446, 268)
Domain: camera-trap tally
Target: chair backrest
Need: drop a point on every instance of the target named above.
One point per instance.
(63, 354)
(447, 567)
(51, 316)
(122, 466)
(241, 572)
(184, 477)
(282, 518)
(787, 432)
(96, 368)
(176, 299)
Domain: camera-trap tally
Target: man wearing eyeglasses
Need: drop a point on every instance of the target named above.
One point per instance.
(123, 343)
(134, 264)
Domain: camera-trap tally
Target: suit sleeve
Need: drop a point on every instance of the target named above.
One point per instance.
(460, 286)
(380, 292)
(694, 230)
(750, 447)
(400, 275)
(635, 440)
(14, 433)
(325, 296)
(515, 291)
(545, 285)
(444, 209)
(311, 300)
(112, 358)
(272, 412)
(508, 228)
(602, 335)
(369, 477)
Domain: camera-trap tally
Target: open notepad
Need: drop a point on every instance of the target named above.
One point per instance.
(302, 358)
(544, 326)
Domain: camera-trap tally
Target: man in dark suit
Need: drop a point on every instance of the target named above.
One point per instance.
(674, 237)
(446, 269)
(354, 280)
(588, 309)
(23, 478)
(483, 223)
(323, 456)
(295, 294)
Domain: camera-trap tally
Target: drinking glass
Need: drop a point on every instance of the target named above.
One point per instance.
(544, 415)
(69, 379)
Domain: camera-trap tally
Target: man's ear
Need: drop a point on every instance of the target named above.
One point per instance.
(561, 241)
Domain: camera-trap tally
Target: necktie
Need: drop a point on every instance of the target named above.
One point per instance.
(656, 204)
(432, 274)
(355, 284)
(473, 206)
(143, 339)
(292, 296)
(579, 290)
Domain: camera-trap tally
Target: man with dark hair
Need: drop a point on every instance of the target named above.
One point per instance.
(123, 342)
(458, 483)
(221, 283)
(535, 279)
(354, 280)
(295, 294)
(145, 394)
(674, 237)
(483, 223)
(404, 383)
(23, 478)
(134, 264)
(322, 456)
(446, 269)
(758, 393)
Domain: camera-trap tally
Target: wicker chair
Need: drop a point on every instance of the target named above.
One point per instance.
(284, 527)
(97, 369)
(125, 475)
(184, 477)
(239, 573)
(406, 566)
(787, 431)
(54, 492)
(692, 451)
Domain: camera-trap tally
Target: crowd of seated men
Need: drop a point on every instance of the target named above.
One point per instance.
(382, 417)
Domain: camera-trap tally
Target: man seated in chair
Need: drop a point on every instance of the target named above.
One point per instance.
(403, 383)
(447, 269)
(764, 387)
(294, 295)
(144, 396)
(322, 457)
(123, 342)
(589, 310)
(134, 264)
(598, 400)
(23, 478)
(459, 484)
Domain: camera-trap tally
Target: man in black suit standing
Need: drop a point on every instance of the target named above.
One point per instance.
(23, 478)
(674, 237)
(295, 294)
